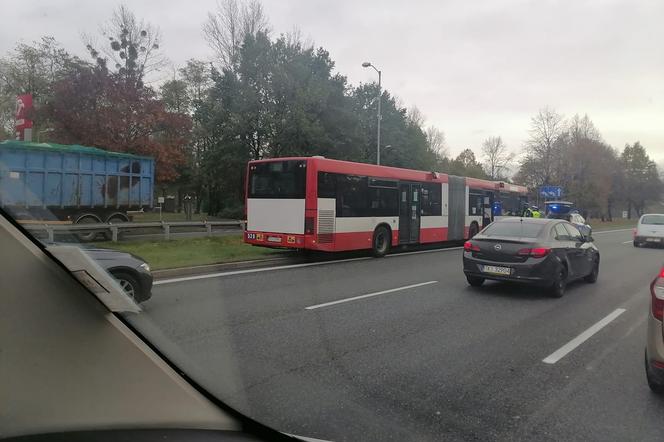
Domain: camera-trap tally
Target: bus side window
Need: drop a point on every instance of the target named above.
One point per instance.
(327, 185)
(431, 199)
(352, 198)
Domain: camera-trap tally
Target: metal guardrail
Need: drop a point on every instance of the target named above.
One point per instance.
(115, 228)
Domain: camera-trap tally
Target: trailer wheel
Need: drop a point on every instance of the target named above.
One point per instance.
(87, 218)
(115, 218)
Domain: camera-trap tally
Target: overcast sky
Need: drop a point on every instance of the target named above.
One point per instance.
(475, 69)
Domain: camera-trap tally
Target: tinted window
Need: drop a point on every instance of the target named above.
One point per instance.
(327, 185)
(383, 201)
(431, 199)
(352, 198)
(475, 204)
(573, 232)
(516, 229)
(653, 219)
(560, 233)
(277, 179)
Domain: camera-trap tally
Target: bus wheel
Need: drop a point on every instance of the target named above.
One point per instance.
(381, 241)
(472, 231)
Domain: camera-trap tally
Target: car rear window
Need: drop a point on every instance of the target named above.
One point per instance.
(653, 219)
(522, 229)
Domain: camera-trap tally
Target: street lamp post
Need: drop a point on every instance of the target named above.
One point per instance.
(366, 64)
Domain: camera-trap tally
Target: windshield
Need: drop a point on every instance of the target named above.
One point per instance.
(287, 192)
(657, 220)
(514, 229)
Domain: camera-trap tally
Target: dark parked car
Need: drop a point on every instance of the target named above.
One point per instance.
(132, 272)
(545, 252)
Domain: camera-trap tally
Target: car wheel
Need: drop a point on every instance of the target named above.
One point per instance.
(475, 281)
(381, 242)
(592, 276)
(559, 285)
(655, 384)
(130, 285)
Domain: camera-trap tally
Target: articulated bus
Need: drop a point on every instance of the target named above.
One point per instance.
(329, 205)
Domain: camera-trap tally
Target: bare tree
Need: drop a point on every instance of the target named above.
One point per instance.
(436, 141)
(134, 48)
(226, 28)
(582, 128)
(416, 116)
(496, 157)
(542, 147)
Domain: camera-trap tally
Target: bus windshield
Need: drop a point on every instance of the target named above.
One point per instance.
(277, 179)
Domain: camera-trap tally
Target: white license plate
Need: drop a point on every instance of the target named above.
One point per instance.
(274, 238)
(497, 270)
(653, 239)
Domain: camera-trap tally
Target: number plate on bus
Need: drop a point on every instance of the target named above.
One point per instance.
(496, 270)
(274, 239)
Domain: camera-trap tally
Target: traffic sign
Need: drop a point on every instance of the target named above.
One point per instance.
(551, 191)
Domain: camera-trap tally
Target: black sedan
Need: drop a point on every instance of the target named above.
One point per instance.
(132, 272)
(544, 252)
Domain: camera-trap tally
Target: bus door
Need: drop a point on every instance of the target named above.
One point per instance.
(409, 212)
(487, 213)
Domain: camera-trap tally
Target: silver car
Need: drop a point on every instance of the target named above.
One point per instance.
(649, 230)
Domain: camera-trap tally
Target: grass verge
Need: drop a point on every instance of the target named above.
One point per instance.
(189, 252)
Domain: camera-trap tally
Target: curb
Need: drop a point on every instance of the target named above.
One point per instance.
(213, 268)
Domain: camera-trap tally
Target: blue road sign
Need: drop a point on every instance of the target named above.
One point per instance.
(551, 191)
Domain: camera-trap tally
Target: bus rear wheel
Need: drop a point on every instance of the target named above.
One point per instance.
(381, 241)
(473, 230)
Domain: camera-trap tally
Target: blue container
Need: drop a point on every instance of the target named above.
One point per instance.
(61, 176)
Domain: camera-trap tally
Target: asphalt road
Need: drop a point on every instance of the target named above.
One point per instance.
(437, 360)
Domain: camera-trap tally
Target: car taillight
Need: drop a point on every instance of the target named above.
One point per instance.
(308, 225)
(470, 247)
(537, 252)
(657, 292)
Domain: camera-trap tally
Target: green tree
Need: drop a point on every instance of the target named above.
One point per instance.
(641, 181)
(465, 164)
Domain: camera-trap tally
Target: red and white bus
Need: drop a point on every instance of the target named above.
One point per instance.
(329, 205)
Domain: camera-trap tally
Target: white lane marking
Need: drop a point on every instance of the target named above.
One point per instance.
(423, 251)
(627, 242)
(260, 269)
(369, 295)
(286, 267)
(612, 231)
(306, 439)
(571, 345)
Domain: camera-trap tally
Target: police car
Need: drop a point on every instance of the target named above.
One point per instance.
(565, 210)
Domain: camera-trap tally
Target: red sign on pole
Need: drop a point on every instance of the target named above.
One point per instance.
(23, 117)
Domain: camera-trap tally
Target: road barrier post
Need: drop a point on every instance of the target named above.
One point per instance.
(167, 231)
(114, 233)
